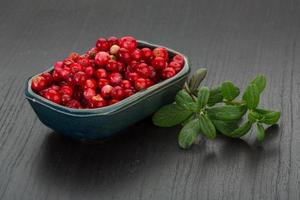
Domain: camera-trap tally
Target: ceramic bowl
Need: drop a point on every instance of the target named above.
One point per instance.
(100, 123)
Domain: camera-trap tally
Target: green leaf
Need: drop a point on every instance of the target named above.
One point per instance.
(170, 115)
(190, 118)
(270, 118)
(241, 131)
(225, 127)
(215, 96)
(254, 116)
(260, 132)
(207, 127)
(229, 90)
(263, 111)
(251, 96)
(227, 112)
(203, 96)
(260, 81)
(184, 100)
(188, 134)
(196, 79)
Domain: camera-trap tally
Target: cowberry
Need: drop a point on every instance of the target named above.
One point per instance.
(117, 93)
(74, 56)
(124, 55)
(89, 71)
(159, 63)
(102, 44)
(73, 104)
(92, 52)
(113, 41)
(65, 99)
(147, 54)
(115, 78)
(101, 73)
(38, 83)
(89, 83)
(66, 89)
(175, 65)
(89, 93)
(113, 101)
(161, 52)
(132, 76)
(112, 66)
(168, 73)
(128, 42)
(140, 84)
(121, 67)
(58, 65)
(149, 82)
(48, 77)
(128, 92)
(68, 62)
(125, 84)
(84, 62)
(102, 82)
(179, 58)
(79, 78)
(106, 90)
(75, 67)
(53, 96)
(63, 74)
(137, 55)
(143, 70)
(102, 58)
(97, 101)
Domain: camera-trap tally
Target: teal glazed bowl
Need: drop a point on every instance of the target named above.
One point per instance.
(100, 123)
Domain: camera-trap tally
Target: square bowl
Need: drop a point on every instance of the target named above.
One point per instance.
(100, 123)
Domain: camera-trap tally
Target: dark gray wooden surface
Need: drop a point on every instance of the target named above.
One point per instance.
(234, 39)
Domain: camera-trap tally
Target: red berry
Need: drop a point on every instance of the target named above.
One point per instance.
(102, 82)
(90, 83)
(179, 58)
(79, 78)
(89, 71)
(89, 93)
(66, 89)
(113, 101)
(137, 55)
(38, 83)
(68, 62)
(92, 52)
(58, 65)
(48, 77)
(112, 66)
(159, 63)
(73, 104)
(117, 93)
(101, 73)
(84, 62)
(168, 73)
(132, 76)
(149, 82)
(102, 44)
(55, 76)
(78, 93)
(75, 67)
(102, 58)
(65, 99)
(175, 65)
(128, 42)
(143, 70)
(128, 92)
(113, 41)
(115, 78)
(55, 87)
(161, 52)
(97, 101)
(64, 74)
(140, 84)
(121, 67)
(53, 96)
(125, 84)
(147, 54)
(124, 55)
(106, 90)
(73, 56)
(131, 67)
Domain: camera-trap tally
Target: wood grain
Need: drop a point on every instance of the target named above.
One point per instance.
(234, 39)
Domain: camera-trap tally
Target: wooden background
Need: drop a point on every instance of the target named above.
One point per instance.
(234, 39)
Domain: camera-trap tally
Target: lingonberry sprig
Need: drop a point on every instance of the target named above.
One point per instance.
(201, 110)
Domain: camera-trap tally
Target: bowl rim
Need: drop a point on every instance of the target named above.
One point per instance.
(117, 107)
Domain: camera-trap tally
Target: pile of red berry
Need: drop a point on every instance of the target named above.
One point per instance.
(111, 71)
